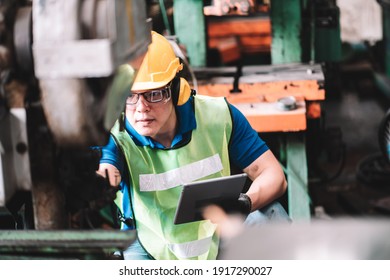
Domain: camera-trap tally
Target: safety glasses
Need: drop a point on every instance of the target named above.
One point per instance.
(152, 96)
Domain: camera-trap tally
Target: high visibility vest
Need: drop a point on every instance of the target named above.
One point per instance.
(157, 176)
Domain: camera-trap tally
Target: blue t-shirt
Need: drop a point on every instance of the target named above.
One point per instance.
(245, 145)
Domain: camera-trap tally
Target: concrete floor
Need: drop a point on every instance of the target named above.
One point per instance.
(356, 112)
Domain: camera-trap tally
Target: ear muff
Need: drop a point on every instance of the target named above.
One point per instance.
(181, 91)
(185, 92)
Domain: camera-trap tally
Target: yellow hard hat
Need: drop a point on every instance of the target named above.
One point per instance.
(159, 67)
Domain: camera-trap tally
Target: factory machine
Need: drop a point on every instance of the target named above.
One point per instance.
(66, 67)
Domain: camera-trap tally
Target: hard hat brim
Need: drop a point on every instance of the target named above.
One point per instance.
(144, 86)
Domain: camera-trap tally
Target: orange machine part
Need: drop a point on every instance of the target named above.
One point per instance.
(243, 35)
(258, 102)
(268, 117)
(270, 91)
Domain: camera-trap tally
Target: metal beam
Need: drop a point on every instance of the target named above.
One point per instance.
(190, 29)
(297, 177)
(286, 31)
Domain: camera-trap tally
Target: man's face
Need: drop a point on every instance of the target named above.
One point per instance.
(152, 113)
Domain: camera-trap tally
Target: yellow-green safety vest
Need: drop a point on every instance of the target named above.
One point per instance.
(157, 176)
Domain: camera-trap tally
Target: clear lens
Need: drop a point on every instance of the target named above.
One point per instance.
(132, 98)
(153, 96)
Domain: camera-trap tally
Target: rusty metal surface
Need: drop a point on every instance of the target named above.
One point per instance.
(49, 205)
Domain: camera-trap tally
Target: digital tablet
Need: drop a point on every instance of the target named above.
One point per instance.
(196, 195)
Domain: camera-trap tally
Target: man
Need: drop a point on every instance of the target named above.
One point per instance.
(167, 130)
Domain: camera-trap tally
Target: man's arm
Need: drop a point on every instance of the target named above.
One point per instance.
(249, 153)
(111, 163)
(269, 182)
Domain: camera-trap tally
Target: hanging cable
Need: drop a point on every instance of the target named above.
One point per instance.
(178, 51)
(165, 17)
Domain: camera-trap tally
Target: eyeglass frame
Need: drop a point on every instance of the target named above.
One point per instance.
(168, 92)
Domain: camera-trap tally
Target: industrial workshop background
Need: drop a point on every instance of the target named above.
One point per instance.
(311, 76)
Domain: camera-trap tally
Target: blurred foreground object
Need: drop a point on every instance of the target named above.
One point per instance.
(38, 245)
(65, 70)
(228, 225)
(77, 44)
(337, 239)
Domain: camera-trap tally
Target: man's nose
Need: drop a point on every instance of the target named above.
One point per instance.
(142, 104)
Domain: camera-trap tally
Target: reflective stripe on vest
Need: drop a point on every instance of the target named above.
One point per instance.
(191, 249)
(179, 176)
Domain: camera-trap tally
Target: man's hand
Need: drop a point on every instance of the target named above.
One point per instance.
(114, 175)
(241, 206)
(228, 225)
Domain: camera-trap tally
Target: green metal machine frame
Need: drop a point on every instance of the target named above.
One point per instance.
(63, 244)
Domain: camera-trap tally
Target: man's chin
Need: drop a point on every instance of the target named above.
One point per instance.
(147, 132)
